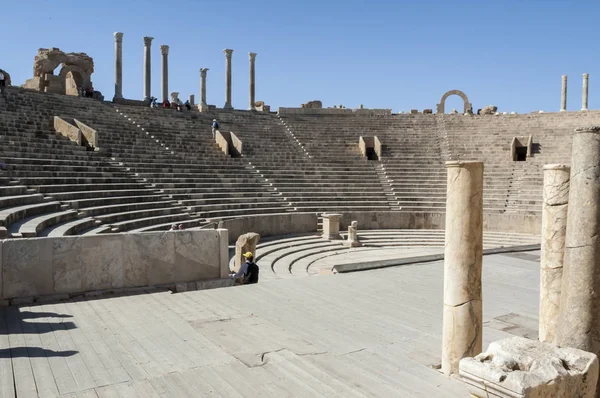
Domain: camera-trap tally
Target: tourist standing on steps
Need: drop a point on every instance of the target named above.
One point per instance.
(215, 127)
(2, 83)
(248, 272)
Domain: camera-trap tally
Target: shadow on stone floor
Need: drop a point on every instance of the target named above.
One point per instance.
(33, 352)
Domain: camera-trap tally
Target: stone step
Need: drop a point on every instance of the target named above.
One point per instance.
(32, 227)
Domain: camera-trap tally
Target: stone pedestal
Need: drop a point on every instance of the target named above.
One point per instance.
(352, 240)
(192, 99)
(462, 334)
(554, 226)
(203, 106)
(228, 53)
(118, 64)
(331, 226)
(519, 367)
(164, 51)
(563, 94)
(245, 243)
(252, 58)
(147, 68)
(584, 92)
(579, 322)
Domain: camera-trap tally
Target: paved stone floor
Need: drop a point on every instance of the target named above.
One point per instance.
(366, 334)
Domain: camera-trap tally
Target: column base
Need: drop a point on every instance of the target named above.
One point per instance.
(117, 97)
(227, 106)
(202, 107)
(584, 109)
(563, 110)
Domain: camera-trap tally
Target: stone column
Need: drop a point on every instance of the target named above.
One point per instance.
(331, 226)
(192, 99)
(147, 68)
(563, 95)
(118, 64)
(252, 57)
(554, 226)
(584, 92)
(164, 50)
(203, 106)
(579, 321)
(228, 54)
(462, 326)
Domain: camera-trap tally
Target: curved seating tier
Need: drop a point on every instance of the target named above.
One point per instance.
(303, 255)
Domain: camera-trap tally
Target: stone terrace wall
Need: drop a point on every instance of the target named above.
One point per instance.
(333, 111)
(67, 265)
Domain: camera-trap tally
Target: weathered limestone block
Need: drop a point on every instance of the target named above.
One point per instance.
(175, 98)
(312, 104)
(519, 367)
(414, 112)
(579, 323)
(245, 243)
(427, 111)
(489, 110)
(462, 325)
(331, 226)
(554, 226)
(454, 111)
(352, 240)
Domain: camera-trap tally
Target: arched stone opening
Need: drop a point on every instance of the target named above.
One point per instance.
(6, 77)
(441, 107)
(75, 77)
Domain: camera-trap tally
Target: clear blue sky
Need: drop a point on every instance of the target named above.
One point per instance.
(383, 54)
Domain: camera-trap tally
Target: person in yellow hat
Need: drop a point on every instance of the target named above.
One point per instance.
(248, 271)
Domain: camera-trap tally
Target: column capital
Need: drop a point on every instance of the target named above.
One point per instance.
(564, 77)
(164, 49)
(228, 52)
(148, 41)
(586, 75)
(118, 36)
(203, 71)
(252, 56)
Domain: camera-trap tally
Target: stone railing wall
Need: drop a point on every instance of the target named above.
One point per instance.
(76, 131)
(110, 262)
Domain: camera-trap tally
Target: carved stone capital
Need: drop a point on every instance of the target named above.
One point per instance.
(203, 72)
(148, 41)
(252, 56)
(118, 36)
(228, 52)
(164, 49)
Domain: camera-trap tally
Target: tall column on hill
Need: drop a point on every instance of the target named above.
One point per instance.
(164, 50)
(563, 94)
(203, 105)
(118, 64)
(252, 57)
(462, 326)
(554, 226)
(228, 54)
(147, 68)
(584, 92)
(579, 321)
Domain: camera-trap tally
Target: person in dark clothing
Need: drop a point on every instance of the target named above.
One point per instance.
(215, 127)
(248, 271)
(187, 105)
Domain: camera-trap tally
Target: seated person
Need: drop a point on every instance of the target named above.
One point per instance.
(248, 272)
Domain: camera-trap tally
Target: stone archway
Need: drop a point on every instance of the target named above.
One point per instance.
(441, 107)
(74, 77)
(6, 77)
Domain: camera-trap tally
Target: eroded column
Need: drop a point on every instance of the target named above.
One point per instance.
(147, 68)
(579, 321)
(228, 54)
(164, 50)
(118, 64)
(462, 334)
(554, 226)
(252, 58)
(563, 94)
(203, 105)
(584, 92)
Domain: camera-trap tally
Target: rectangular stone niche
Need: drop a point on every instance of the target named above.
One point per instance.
(370, 147)
(523, 368)
(521, 148)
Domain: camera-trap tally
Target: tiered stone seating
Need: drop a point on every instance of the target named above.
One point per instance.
(411, 167)
(70, 189)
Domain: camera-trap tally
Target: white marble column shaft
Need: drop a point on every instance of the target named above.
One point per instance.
(164, 51)
(252, 58)
(584, 92)
(147, 68)
(203, 105)
(462, 325)
(118, 64)
(579, 321)
(563, 94)
(554, 226)
(228, 53)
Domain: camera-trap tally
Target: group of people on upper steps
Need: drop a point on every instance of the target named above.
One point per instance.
(166, 104)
